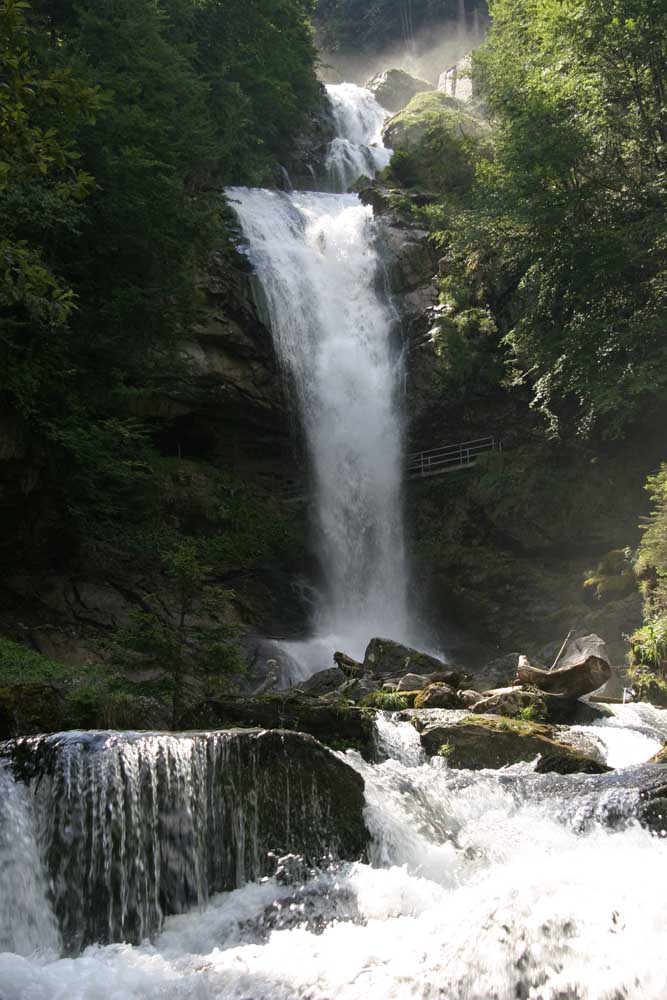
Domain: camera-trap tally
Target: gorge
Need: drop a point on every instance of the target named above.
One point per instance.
(277, 721)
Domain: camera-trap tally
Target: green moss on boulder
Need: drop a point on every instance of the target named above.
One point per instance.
(436, 142)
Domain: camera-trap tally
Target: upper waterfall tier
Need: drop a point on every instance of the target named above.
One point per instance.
(358, 148)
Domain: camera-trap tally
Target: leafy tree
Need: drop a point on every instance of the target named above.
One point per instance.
(572, 209)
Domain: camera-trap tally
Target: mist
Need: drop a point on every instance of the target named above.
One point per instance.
(420, 56)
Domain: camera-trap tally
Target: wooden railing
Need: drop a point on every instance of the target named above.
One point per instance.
(437, 461)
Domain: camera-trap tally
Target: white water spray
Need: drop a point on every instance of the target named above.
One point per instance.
(358, 148)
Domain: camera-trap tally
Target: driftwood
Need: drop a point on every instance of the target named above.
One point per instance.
(584, 668)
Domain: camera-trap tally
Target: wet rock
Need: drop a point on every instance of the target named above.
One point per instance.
(412, 682)
(660, 757)
(358, 688)
(511, 701)
(350, 667)
(477, 742)
(394, 88)
(384, 656)
(323, 682)
(331, 723)
(220, 805)
(564, 711)
(437, 696)
(468, 698)
(584, 668)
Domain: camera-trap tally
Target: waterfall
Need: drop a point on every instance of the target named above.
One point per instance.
(317, 261)
(357, 149)
(126, 828)
(486, 885)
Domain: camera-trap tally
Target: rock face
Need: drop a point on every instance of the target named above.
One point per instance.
(394, 88)
(492, 742)
(584, 669)
(138, 826)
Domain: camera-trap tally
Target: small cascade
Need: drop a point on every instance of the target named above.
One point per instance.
(133, 827)
(357, 149)
(27, 924)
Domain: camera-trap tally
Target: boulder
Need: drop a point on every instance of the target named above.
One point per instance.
(323, 682)
(660, 757)
(223, 806)
(358, 688)
(511, 701)
(437, 696)
(477, 742)
(412, 682)
(584, 668)
(349, 666)
(468, 698)
(394, 88)
(436, 143)
(384, 656)
(496, 673)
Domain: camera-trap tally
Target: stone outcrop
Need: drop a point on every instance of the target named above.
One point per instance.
(394, 88)
(385, 656)
(476, 742)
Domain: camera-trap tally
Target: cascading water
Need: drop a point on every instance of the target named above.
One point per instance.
(316, 258)
(358, 148)
(485, 885)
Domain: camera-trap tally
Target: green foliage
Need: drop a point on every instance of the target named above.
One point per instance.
(21, 665)
(648, 645)
(446, 750)
(571, 211)
(119, 123)
(386, 701)
(531, 713)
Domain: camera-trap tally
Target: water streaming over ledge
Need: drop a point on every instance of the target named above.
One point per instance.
(490, 885)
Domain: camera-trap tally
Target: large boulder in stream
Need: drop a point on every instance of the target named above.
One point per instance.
(394, 88)
(393, 659)
(584, 668)
(136, 826)
(477, 742)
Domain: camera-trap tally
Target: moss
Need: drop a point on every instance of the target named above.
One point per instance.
(436, 143)
(520, 727)
(388, 701)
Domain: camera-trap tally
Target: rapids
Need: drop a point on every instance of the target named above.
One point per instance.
(481, 886)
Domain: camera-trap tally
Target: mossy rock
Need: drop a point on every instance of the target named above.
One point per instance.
(30, 709)
(660, 757)
(436, 142)
(335, 725)
(478, 742)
